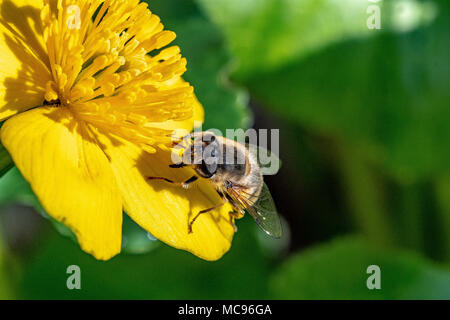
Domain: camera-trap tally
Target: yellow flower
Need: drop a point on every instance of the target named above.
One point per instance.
(89, 113)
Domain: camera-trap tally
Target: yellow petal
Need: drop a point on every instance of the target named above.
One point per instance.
(165, 210)
(69, 174)
(24, 69)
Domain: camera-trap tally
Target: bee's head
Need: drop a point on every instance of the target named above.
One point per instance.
(204, 154)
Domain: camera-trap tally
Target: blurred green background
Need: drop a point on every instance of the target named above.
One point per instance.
(364, 124)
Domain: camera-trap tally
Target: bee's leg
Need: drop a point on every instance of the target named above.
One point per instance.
(207, 210)
(184, 184)
(182, 142)
(188, 182)
(233, 215)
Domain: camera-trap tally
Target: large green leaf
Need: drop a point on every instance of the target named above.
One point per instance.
(388, 93)
(208, 66)
(338, 270)
(316, 62)
(266, 34)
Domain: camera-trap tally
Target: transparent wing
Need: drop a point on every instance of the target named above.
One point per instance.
(268, 162)
(263, 210)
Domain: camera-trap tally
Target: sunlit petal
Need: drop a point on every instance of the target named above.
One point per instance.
(70, 175)
(23, 62)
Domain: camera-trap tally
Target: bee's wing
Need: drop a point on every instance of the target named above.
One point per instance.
(263, 210)
(268, 162)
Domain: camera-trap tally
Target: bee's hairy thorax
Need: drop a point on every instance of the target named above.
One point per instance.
(242, 172)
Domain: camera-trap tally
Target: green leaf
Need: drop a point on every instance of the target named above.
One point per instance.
(317, 63)
(267, 34)
(387, 94)
(338, 270)
(208, 70)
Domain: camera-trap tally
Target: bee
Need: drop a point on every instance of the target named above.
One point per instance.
(234, 171)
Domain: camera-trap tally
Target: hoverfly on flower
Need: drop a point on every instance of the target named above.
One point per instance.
(234, 171)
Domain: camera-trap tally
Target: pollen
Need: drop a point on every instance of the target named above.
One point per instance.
(111, 67)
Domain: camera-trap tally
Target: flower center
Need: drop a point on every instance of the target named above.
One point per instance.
(99, 58)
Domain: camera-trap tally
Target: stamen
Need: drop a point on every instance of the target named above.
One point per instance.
(102, 72)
